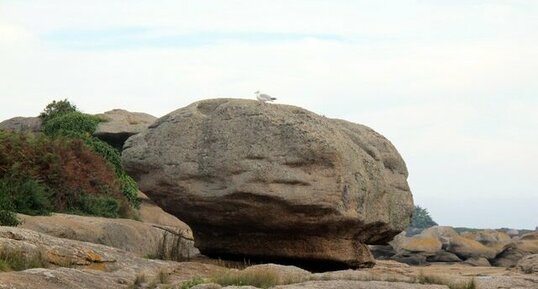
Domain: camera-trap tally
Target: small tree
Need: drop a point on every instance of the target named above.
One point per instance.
(422, 219)
(57, 108)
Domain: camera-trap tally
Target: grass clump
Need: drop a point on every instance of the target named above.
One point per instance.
(260, 279)
(18, 261)
(193, 282)
(439, 280)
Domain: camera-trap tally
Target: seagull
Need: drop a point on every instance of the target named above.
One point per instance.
(263, 97)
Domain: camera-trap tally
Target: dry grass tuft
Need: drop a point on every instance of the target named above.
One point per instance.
(441, 280)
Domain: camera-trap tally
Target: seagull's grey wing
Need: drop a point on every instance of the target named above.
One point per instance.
(265, 97)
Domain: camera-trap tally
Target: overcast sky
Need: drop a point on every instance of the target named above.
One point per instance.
(453, 84)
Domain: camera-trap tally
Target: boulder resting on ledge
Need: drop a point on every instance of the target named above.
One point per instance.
(273, 182)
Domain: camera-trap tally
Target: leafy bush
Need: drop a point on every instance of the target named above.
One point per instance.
(422, 219)
(103, 206)
(57, 108)
(193, 282)
(129, 188)
(24, 196)
(8, 218)
(60, 170)
(75, 124)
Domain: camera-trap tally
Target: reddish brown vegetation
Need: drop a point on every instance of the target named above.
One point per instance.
(66, 166)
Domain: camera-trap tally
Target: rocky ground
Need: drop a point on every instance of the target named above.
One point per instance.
(66, 263)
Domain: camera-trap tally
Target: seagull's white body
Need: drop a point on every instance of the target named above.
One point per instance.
(263, 97)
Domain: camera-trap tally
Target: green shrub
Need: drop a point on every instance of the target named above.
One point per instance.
(108, 152)
(71, 124)
(56, 108)
(103, 206)
(39, 174)
(422, 219)
(77, 125)
(24, 196)
(8, 218)
(18, 261)
(260, 279)
(193, 282)
(130, 190)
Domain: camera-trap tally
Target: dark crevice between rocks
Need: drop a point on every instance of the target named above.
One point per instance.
(117, 140)
(312, 265)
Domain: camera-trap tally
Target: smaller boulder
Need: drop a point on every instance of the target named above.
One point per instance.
(478, 262)
(120, 124)
(382, 252)
(515, 251)
(528, 264)
(414, 259)
(488, 237)
(512, 233)
(443, 256)
(21, 124)
(442, 233)
(417, 243)
(467, 248)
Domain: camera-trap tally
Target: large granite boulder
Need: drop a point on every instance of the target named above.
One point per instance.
(273, 181)
(120, 124)
(21, 124)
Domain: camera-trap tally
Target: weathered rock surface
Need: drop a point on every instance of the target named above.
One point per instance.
(98, 266)
(504, 282)
(477, 248)
(488, 237)
(515, 251)
(104, 265)
(478, 261)
(382, 252)
(346, 284)
(442, 233)
(149, 212)
(528, 264)
(417, 243)
(145, 240)
(273, 181)
(21, 124)
(443, 256)
(120, 124)
(467, 248)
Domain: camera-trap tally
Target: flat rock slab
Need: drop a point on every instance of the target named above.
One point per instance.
(143, 239)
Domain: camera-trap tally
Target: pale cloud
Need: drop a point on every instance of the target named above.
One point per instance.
(451, 85)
